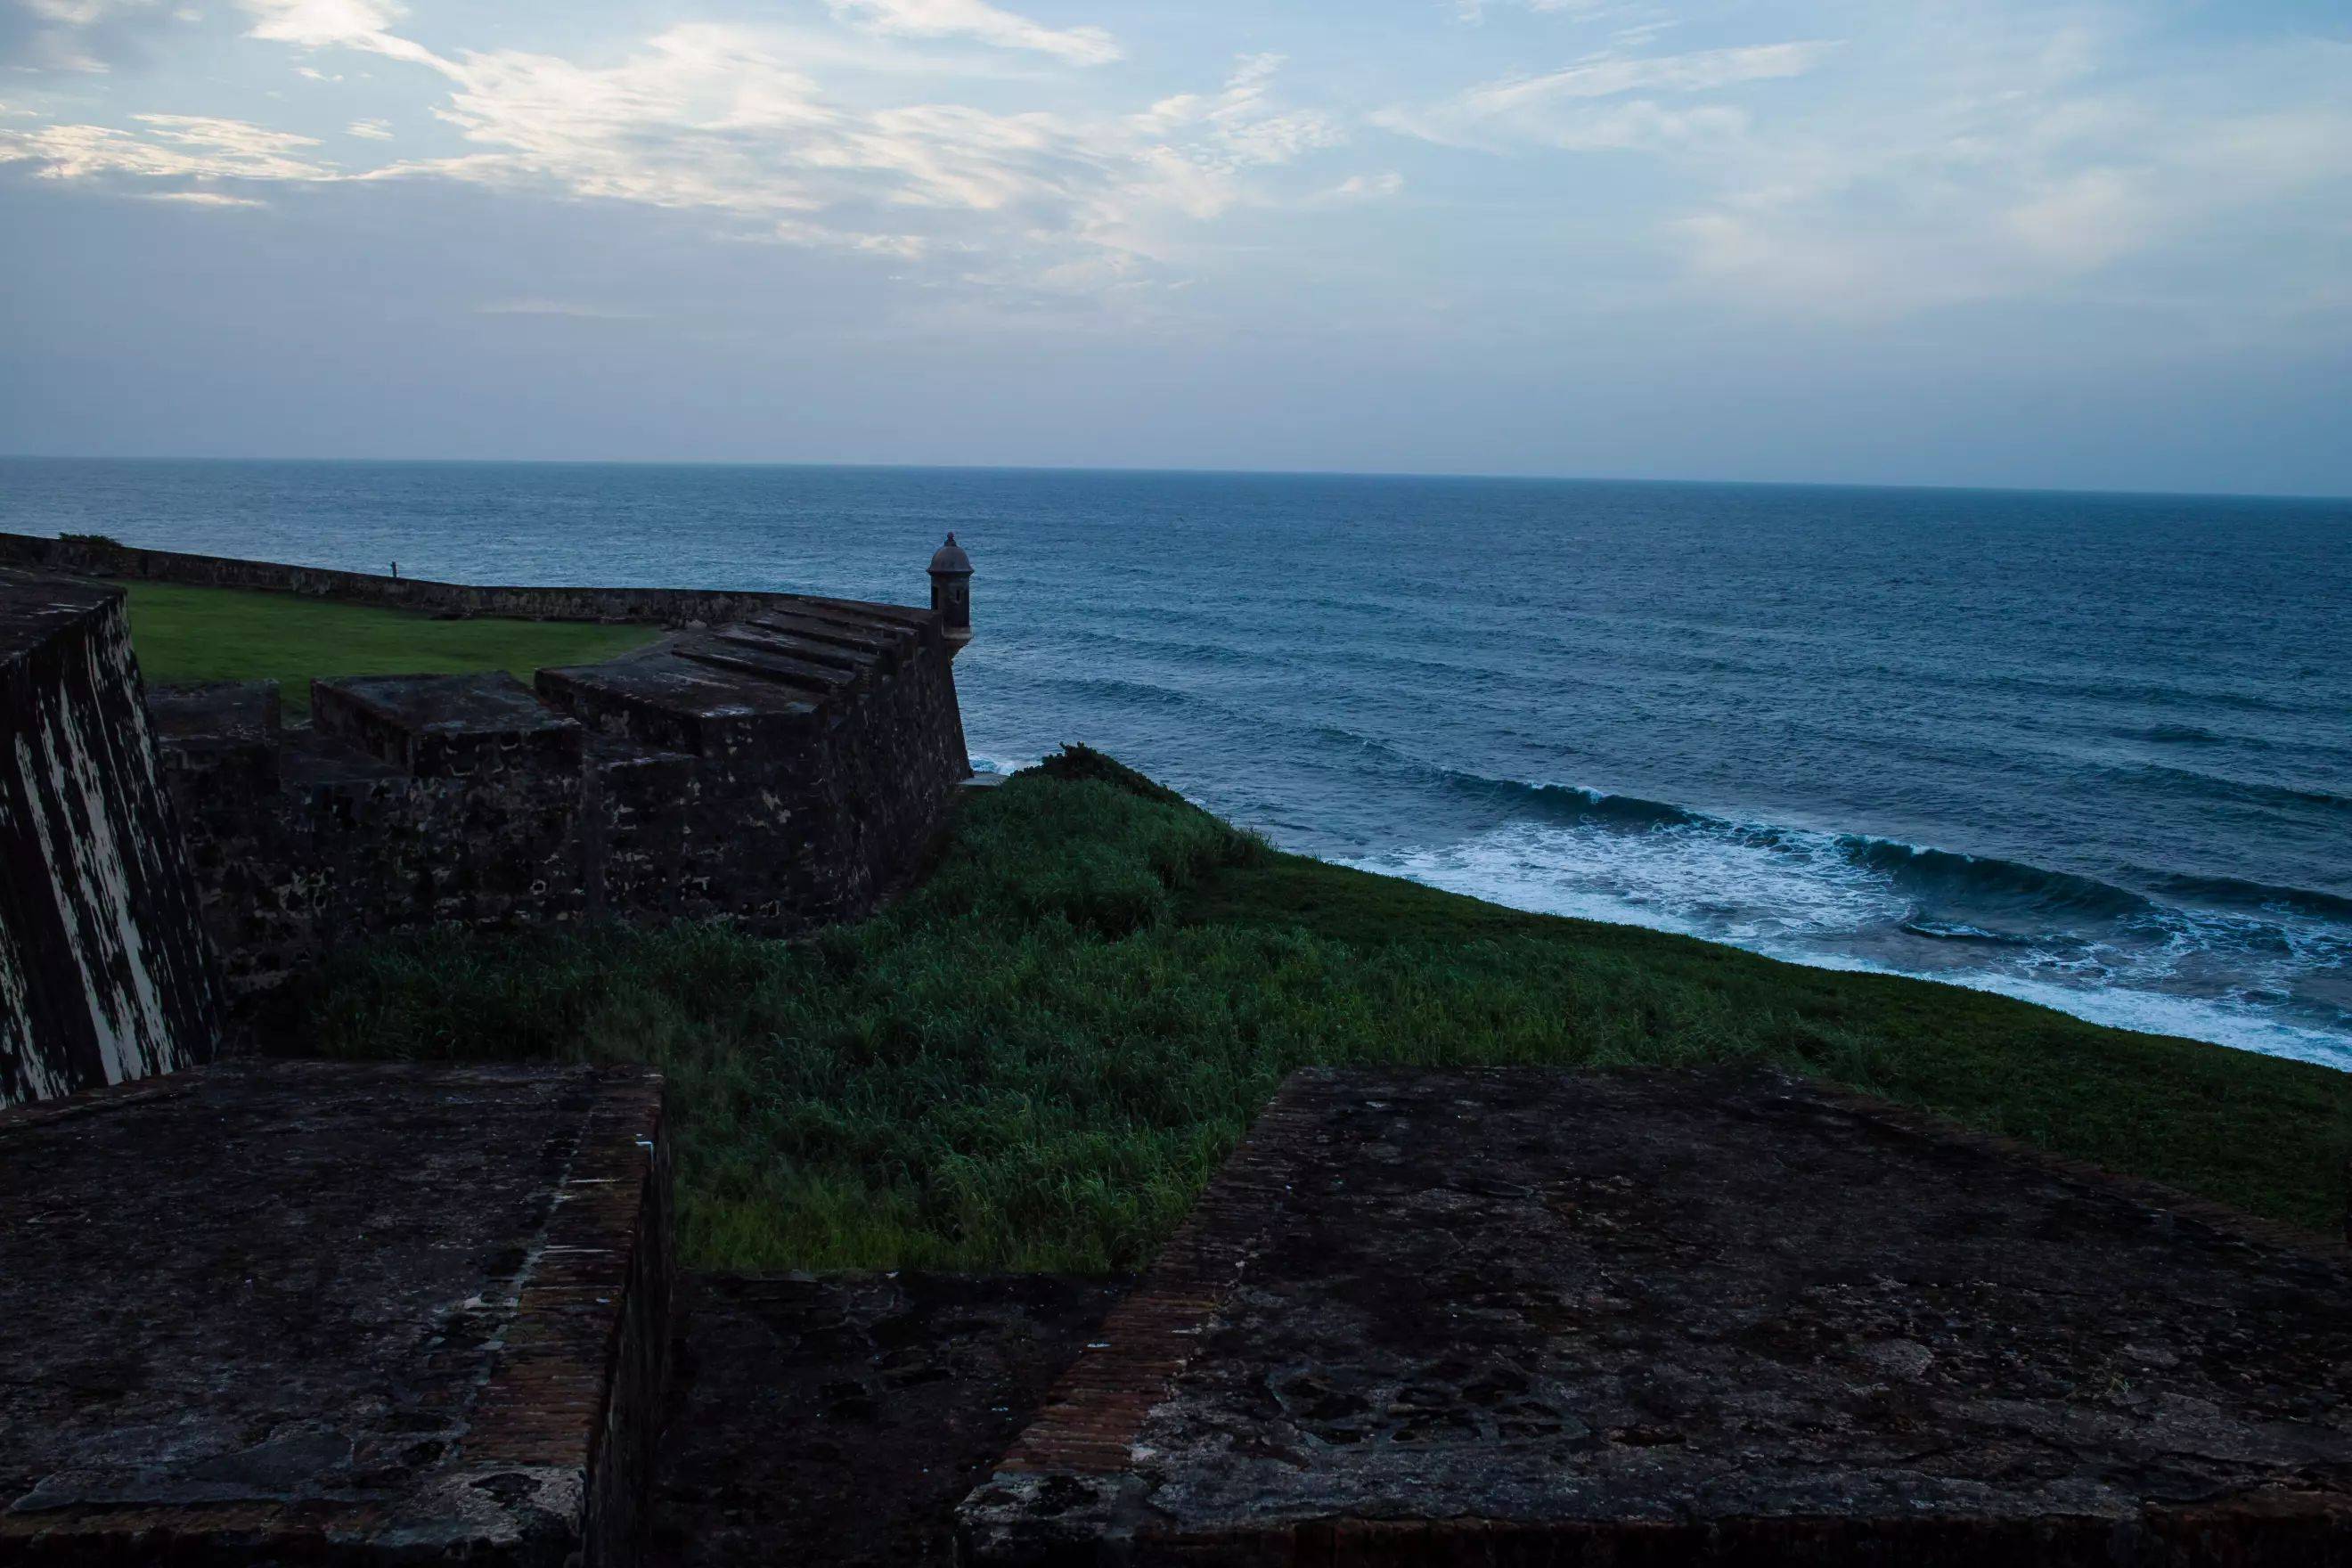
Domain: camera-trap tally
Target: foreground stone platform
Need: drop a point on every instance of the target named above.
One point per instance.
(273, 1312)
(836, 1422)
(1528, 1317)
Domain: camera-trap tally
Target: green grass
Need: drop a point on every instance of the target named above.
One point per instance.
(183, 633)
(1037, 1060)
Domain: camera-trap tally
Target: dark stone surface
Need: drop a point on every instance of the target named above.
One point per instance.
(835, 1423)
(257, 1313)
(105, 974)
(1539, 1316)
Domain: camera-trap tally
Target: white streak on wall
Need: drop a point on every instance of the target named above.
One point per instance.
(16, 1017)
(89, 872)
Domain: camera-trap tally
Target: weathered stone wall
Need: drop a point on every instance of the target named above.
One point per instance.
(651, 606)
(104, 972)
(830, 738)
(382, 816)
(782, 771)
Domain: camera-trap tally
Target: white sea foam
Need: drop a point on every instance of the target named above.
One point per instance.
(1001, 766)
(2240, 1024)
(1799, 896)
(1682, 878)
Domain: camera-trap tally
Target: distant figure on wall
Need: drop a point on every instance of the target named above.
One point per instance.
(395, 571)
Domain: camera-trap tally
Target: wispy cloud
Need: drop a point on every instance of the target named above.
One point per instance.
(201, 198)
(978, 21)
(727, 120)
(1243, 124)
(1363, 188)
(336, 24)
(2013, 169)
(1566, 108)
(1475, 10)
(714, 117)
(178, 147)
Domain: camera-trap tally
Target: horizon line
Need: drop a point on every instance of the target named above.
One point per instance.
(1204, 473)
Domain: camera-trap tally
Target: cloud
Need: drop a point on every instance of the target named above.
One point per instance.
(2010, 167)
(712, 117)
(977, 20)
(2084, 219)
(818, 236)
(728, 121)
(336, 24)
(171, 147)
(1698, 71)
(1475, 10)
(201, 198)
(1564, 107)
(719, 119)
(1364, 188)
(1243, 123)
(725, 121)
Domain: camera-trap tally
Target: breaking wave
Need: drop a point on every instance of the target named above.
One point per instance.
(2221, 959)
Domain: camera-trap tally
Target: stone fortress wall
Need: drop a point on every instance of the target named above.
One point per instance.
(92, 555)
(105, 975)
(780, 760)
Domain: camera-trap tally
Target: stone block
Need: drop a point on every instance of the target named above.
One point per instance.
(448, 726)
(663, 699)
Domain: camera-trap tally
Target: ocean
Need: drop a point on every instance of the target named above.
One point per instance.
(2094, 751)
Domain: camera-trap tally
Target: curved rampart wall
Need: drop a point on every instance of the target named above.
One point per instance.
(84, 556)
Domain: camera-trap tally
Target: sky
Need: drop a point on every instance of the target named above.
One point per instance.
(1997, 242)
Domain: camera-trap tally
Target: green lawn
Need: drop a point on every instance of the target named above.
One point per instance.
(1037, 1060)
(227, 634)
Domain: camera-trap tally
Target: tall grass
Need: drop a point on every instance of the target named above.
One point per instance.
(1037, 1060)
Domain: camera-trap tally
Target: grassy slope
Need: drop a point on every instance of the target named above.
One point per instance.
(1037, 1060)
(226, 634)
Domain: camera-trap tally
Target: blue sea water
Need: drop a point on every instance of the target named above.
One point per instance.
(2091, 750)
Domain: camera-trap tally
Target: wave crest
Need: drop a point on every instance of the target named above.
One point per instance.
(1947, 887)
